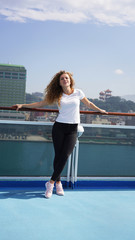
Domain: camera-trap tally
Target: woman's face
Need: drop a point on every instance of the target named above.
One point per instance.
(65, 80)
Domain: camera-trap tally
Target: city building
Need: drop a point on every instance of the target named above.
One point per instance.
(103, 121)
(108, 93)
(12, 84)
(12, 115)
(103, 95)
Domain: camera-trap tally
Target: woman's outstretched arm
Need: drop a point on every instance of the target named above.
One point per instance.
(92, 105)
(31, 105)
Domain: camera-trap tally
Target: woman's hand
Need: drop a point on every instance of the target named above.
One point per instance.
(18, 106)
(103, 111)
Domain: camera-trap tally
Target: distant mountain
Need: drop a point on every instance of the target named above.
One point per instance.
(37, 97)
(115, 104)
(129, 97)
(30, 98)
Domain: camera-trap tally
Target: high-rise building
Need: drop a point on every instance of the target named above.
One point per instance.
(12, 84)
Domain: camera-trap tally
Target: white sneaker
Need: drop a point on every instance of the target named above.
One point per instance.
(59, 189)
(49, 189)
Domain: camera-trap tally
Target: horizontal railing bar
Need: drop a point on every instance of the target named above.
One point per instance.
(30, 109)
(109, 113)
(56, 110)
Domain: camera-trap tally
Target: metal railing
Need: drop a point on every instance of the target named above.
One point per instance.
(56, 110)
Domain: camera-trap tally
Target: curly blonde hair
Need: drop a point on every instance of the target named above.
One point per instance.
(53, 91)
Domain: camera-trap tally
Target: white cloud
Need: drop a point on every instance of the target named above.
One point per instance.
(119, 71)
(110, 12)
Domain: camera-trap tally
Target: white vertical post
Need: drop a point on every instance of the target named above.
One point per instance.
(73, 160)
(72, 170)
(69, 169)
(76, 160)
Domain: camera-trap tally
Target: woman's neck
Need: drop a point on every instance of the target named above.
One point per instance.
(68, 90)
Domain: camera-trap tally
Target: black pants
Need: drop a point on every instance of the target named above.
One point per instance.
(64, 138)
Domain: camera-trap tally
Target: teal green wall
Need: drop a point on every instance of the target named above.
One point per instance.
(26, 159)
(36, 159)
(26, 149)
(104, 160)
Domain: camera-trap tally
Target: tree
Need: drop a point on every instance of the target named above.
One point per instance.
(115, 104)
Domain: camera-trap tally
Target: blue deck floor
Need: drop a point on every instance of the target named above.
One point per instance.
(80, 215)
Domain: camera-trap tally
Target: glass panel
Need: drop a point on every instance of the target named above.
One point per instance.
(107, 151)
(26, 149)
(25, 132)
(108, 135)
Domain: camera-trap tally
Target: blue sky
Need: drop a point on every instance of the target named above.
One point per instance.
(95, 40)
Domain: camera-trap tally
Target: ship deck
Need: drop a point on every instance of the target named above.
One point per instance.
(81, 214)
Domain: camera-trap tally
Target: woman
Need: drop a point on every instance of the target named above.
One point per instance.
(64, 132)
